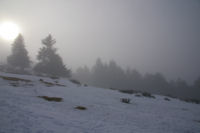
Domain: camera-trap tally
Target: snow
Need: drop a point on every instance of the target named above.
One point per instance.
(21, 111)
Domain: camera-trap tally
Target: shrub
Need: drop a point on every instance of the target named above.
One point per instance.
(138, 95)
(192, 101)
(75, 81)
(167, 99)
(85, 85)
(146, 94)
(125, 100)
(128, 91)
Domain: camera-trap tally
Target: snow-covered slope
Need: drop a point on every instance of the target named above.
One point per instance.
(22, 111)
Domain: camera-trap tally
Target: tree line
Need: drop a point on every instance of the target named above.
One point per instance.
(111, 75)
(48, 63)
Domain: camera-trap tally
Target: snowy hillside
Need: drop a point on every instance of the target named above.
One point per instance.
(80, 109)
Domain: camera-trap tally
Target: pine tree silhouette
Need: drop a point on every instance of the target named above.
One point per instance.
(50, 62)
(19, 59)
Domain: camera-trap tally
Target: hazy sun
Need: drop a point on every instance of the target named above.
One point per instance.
(9, 30)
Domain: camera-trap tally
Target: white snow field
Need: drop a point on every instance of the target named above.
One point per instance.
(21, 111)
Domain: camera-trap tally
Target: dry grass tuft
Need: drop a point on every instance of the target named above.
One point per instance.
(49, 84)
(80, 108)
(54, 99)
(14, 79)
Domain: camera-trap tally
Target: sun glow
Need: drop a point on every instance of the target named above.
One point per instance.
(9, 30)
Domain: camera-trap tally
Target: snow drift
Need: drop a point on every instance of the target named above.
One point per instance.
(28, 105)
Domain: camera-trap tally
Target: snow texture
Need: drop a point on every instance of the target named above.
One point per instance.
(21, 111)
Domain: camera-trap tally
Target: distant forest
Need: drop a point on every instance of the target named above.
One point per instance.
(111, 75)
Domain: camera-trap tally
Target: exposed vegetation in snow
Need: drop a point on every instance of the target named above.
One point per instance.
(39, 105)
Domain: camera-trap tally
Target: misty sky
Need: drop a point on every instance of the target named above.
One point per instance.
(149, 35)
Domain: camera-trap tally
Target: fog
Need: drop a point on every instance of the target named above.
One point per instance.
(148, 35)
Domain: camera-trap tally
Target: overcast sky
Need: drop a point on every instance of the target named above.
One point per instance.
(149, 35)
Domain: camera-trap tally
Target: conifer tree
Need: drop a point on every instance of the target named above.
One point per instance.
(50, 62)
(19, 59)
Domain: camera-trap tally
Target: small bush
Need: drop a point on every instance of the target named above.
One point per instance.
(128, 91)
(166, 99)
(85, 85)
(192, 101)
(55, 99)
(146, 94)
(75, 81)
(138, 95)
(125, 100)
(80, 108)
